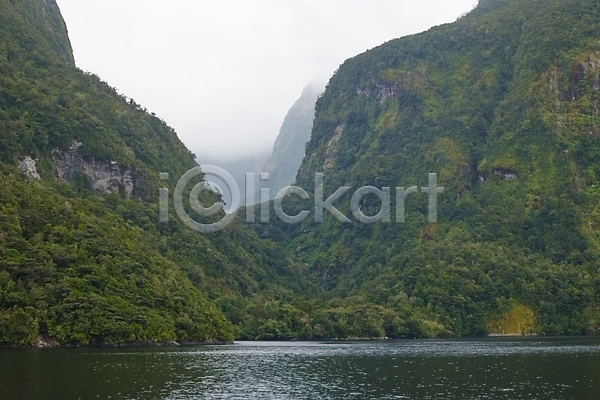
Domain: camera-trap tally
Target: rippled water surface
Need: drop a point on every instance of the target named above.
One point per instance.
(523, 368)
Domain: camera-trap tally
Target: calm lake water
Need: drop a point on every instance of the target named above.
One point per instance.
(491, 368)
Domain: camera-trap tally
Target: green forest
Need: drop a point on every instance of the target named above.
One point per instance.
(502, 104)
(84, 267)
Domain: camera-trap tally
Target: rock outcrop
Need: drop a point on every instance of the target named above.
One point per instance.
(28, 167)
(102, 176)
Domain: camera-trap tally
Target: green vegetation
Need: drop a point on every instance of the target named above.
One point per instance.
(502, 104)
(89, 268)
(46, 103)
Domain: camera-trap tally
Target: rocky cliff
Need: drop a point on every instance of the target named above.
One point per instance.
(288, 150)
(104, 177)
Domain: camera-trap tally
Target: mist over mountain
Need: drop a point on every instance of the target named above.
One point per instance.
(282, 163)
(288, 151)
(238, 168)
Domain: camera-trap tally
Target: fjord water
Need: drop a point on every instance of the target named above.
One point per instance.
(491, 368)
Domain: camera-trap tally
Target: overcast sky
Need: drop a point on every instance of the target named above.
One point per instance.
(224, 73)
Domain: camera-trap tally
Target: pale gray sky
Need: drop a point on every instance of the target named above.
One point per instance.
(224, 73)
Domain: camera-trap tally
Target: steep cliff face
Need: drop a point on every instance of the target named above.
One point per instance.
(288, 151)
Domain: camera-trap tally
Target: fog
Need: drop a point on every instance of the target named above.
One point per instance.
(224, 74)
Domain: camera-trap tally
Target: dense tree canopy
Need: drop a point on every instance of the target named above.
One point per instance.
(502, 105)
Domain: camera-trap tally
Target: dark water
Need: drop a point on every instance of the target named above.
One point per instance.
(528, 368)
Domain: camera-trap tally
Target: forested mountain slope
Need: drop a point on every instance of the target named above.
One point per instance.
(83, 257)
(503, 106)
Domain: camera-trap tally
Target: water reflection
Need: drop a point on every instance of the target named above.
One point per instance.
(524, 368)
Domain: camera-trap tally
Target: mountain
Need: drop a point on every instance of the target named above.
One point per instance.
(288, 150)
(283, 162)
(503, 106)
(84, 259)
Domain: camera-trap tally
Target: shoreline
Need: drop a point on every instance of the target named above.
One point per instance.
(49, 343)
(46, 342)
